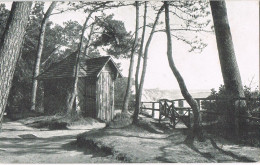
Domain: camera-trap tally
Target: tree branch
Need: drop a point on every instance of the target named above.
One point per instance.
(194, 30)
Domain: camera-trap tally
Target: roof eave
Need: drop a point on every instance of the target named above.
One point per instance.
(120, 74)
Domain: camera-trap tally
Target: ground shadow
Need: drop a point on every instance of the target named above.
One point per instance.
(206, 155)
(229, 153)
(33, 144)
(209, 156)
(86, 149)
(163, 158)
(28, 144)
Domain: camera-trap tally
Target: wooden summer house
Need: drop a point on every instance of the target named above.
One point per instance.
(95, 92)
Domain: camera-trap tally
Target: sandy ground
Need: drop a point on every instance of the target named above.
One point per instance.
(22, 144)
(137, 144)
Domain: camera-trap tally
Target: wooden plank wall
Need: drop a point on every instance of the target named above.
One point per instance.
(102, 96)
(99, 100)
(90, 97)
(105, 98)
(112, 96)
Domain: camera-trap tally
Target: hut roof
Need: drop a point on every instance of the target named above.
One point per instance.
(88, 67)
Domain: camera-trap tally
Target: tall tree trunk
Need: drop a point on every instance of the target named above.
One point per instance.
(197, 131)
(10, 46)
(140, 54)
(140, 89)
(229, 67)
(88, 42)
(73, 94)
(130, 71)
(39, 54)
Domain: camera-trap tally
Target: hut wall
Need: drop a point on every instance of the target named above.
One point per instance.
(55, 95)
(90, 96)
(105, 98)
(80, 99)
(112, 95)
(111, 80)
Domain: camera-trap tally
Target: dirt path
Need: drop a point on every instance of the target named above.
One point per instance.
(22, 144)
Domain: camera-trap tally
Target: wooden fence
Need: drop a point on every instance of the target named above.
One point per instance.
(177, 111)
(149, 106)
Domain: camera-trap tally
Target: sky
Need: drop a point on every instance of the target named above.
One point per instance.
(202, 71)
(199, 70)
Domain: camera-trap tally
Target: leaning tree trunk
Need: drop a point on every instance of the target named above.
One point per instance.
(39, 54)
(10, 46)
(140, 54)
(86, 49)
(73, 93)
(130, 71)
(197, 131)
(229, 67)
(140, 89)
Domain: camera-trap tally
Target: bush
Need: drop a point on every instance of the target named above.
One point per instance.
(223, 103)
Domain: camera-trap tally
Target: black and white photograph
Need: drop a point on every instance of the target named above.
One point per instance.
(85, 82)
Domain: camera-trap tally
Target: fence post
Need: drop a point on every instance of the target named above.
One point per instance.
(153, 110)
(160, 108)
(198, 102)
(180, 103)
(166, 109)
(189, 118)
(173, 115)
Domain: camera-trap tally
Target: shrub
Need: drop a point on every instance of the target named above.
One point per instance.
(222, 104)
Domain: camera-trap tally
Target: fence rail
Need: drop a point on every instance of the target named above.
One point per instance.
(169, 108)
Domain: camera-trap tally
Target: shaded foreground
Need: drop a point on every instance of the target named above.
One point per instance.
(22, 144)
(146, 142)
(154, 143)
